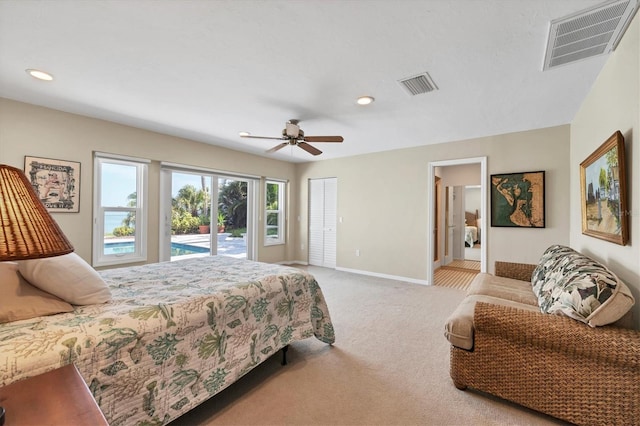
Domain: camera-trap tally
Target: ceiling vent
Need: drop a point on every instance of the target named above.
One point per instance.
(591, 32)
(422, 83)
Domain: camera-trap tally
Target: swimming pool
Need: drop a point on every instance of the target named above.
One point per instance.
(177, 249)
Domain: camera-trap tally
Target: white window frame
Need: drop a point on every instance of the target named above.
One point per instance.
(270, 240)
(140, 249)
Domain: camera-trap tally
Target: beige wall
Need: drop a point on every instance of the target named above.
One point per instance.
(460, 175)
(382, 199)
(31, 130)
(612, 104)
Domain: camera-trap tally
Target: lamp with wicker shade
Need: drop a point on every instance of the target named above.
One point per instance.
(27, 230)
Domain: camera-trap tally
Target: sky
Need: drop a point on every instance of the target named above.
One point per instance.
(178, 180)
(118, 181)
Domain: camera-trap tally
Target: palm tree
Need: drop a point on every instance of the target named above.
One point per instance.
(191, 200)
(207, 198)
(131, 216)
(232, 202)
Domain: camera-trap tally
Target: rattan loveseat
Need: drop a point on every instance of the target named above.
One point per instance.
(584, 374)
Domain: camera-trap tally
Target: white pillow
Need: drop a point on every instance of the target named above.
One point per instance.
(20, 300)
(69, 277)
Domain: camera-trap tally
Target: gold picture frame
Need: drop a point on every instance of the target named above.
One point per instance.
(603, 188)
(57, 183)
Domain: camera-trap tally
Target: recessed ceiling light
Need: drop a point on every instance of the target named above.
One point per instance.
(365, 100)
(244, 134)
(40, 75)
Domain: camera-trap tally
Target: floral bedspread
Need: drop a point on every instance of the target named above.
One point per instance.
(175, 334)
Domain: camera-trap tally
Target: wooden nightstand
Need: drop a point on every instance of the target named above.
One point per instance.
(58, 397)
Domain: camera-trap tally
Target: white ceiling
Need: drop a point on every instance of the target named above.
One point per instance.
(206, 70)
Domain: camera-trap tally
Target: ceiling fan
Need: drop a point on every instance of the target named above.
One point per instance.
(292, 134)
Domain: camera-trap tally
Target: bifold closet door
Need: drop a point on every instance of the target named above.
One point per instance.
(323, 204)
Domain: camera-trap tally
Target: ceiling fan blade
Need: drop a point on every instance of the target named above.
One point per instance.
(310, 149)
(264, 137)
(277, 147)
(323, 138)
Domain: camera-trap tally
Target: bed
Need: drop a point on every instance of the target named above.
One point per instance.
(471, 234)
(173, 335)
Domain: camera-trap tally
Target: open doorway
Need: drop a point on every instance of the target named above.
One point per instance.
(454, 218)
(472, 223)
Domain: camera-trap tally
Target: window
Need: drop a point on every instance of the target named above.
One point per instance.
(120, 214)
(274, 213)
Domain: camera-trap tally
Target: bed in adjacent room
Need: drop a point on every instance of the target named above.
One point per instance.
(173, 335)
(471, 229)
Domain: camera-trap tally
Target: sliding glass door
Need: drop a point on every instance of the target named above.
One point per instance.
(206, 214)
(191, 211)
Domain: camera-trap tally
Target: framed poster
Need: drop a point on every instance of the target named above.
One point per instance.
(603, 190)
(57, 183)
(517, 200)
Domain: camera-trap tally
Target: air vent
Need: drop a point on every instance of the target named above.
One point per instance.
(592, 32)
(422, 83)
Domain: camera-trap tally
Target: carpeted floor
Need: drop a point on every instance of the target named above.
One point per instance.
(389, 366)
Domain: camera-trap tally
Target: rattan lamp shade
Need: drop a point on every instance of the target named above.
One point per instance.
(27, 230)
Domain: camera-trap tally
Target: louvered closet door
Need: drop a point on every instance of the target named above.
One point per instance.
(316, 222)
(330, 213)
(323, 202)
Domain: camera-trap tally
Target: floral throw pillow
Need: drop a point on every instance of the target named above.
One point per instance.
(549, 262)
(569, 283)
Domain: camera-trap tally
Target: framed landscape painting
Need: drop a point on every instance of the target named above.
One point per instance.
(603, 189)
(57, 183)
(517, 200)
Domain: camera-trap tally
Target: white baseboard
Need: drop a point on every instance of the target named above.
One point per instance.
(293, 262)
(361, 272)
(390, 277)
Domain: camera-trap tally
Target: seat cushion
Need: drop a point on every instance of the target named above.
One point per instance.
(459, 326)
(503, 288)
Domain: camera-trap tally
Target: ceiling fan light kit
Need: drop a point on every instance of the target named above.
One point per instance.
(292, 134)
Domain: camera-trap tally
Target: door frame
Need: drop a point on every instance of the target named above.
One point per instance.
(437, 229)
(431, 203)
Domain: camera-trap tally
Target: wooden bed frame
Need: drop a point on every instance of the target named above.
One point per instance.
(470, 219)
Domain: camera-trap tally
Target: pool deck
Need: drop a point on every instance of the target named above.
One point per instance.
(227, 246)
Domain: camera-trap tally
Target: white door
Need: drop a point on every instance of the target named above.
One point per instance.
(323, 208)
(448, 255)
(458, 222)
